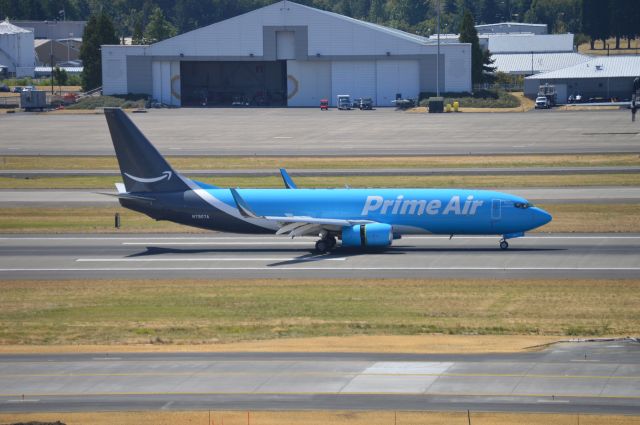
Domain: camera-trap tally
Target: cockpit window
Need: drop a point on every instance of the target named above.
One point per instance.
(522, 205)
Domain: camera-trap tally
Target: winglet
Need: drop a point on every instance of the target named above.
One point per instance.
(242, 205)
(288, 181)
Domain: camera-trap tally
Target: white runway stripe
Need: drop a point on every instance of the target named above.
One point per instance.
(256, 243)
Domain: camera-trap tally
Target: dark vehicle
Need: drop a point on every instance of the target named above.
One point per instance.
(17, 89)
(4, 88)
(324, 104)
(356, 103)
(404, 104)
(366, 104)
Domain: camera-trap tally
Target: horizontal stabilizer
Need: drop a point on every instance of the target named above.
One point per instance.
(128, 196)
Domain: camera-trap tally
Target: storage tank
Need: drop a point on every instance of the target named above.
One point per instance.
(17, 51)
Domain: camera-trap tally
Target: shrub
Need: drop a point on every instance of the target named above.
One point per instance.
(126, 102)
(479, 99)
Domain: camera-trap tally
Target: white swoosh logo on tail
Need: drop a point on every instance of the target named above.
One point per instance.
(165, 174)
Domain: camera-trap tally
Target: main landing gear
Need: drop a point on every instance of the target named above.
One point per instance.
(504, 244)
(325, 244)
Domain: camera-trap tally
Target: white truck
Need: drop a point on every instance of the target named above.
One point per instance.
(344, 102)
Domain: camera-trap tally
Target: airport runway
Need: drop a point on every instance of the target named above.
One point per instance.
(277, 132)
(586, 377)
(220, 256)
(489, 171)
(93, 197)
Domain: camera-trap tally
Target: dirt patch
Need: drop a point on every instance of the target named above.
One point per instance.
(419, 344)
(322, 418)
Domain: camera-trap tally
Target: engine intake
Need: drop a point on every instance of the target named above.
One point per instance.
(363, 235)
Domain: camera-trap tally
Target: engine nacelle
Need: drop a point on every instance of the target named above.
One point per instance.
(363, 235)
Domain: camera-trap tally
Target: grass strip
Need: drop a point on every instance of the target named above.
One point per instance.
(324, 417)
(567, 218)
(204, 312)
(458, 181)
(257, 162)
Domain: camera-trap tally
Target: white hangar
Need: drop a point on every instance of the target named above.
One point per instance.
(285, 54)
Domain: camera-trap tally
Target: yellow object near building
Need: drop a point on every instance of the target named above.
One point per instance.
(456, 106)
(448, 107)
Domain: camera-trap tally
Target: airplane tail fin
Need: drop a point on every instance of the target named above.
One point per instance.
(143, 168)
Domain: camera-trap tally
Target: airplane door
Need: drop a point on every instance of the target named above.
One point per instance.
(496, 209)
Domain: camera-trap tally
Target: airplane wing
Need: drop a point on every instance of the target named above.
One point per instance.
(288, 181)
(296, 225)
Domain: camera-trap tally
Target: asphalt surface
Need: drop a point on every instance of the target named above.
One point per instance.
(490, 171)
(93, 197)
(277, 132)
(222, 256)
(585, 377)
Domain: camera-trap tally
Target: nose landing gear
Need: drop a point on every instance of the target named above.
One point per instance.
(325, 244)
(504, 244)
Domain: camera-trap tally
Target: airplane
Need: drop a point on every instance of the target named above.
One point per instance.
(358, 218)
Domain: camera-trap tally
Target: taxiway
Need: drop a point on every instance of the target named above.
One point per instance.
(587, 377)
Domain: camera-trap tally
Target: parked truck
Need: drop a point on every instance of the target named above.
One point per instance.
(548, 91)
(30, 100)
(344, 102)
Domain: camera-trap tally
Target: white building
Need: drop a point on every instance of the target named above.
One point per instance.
(512, 28)
(286, 54)
(16, 50)
(603, 78)
(535, 63)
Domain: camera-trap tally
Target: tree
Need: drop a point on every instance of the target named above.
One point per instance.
(98, 31)
(488, 71)
(138, 36)
(60, 76)
(489, 12)
(468, 34)
(158, 28)
(376, 11)
(595, 20)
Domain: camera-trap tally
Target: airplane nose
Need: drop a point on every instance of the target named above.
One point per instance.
(540, 216)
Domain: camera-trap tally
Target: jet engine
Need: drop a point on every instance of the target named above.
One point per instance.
(363, 235)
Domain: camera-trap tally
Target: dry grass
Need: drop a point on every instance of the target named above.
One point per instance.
(195, 312)
(457, 181)
(599, 50)
(418, 344)
(567, 218)
(319, 418)
(273, 163)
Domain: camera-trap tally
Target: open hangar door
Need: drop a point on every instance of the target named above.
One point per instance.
(241, 83)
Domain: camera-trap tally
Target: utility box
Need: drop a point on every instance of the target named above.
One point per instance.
(30, 100)
(436, 105)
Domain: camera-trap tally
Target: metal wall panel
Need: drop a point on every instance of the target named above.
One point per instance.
(286, 45)
(138, 72)
(312, 80)
(355, 78)
(397, 76)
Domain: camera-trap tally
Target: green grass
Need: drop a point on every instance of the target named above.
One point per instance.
(125, 102)
(546, 180)
(479, 99)
(77, 312)
(576, 218)
(257, 162)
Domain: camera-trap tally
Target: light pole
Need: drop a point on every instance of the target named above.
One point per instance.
(438, 56)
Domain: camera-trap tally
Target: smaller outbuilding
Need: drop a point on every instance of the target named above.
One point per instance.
(600, 79)
(535, 63)
(16, 50)
(512, 28)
